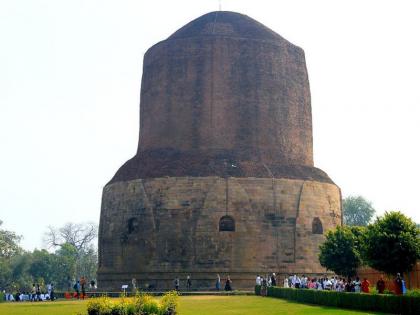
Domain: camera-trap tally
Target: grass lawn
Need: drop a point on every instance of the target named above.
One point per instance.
(189, 305)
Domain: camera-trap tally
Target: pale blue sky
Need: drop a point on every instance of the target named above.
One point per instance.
(70, 81)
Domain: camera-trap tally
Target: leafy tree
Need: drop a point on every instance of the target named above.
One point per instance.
(392, 243)
(357, 211)
(9, 249)
(75, 245)
(9, 243)
(64, 269)
(341, 251)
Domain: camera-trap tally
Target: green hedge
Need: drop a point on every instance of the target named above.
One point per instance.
(2, 297)
(366, 302)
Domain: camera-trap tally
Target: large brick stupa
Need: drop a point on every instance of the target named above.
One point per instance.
(223, 181)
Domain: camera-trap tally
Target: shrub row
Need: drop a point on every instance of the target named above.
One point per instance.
(141, 304)
(367, 302)
(2, 297)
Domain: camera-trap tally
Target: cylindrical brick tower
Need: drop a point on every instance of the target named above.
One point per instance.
(223, 180)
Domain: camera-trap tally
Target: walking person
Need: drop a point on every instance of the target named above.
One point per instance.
(76, 288)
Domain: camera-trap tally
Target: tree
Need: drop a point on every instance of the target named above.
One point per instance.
(9, 249)
(80, 235)
(75, 244)
(341, 251)
(357, 211)
(392, 243)
(9, 243)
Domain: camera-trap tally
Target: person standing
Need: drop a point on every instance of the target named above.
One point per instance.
(356, 285)
(92, 284)
(398, 285)
(83, 286)
(52, 297)
(380, 285)
(176, 284)
(365, 285)
(258, 280)
(273, 280)
(218, 282)
(264, 287)
(33, 293)
(38, 292)
(189, 284)
(228, 284)
(286, 282)
(49, 289)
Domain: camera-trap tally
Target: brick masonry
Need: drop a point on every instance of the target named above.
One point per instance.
(225, 132)
(176, 229)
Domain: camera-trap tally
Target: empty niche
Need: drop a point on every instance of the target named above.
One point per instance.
(133, 226)
(226, 224)
(317, 226)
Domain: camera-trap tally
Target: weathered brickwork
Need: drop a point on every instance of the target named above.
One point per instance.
(223, 180)
(155, 229)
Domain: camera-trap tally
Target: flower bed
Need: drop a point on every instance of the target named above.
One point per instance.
(141, 304)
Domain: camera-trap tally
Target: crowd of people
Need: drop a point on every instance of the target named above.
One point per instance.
(80, 286)
(37, 293)
(333, 283)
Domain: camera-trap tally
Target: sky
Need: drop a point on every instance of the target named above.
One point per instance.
(70, 76)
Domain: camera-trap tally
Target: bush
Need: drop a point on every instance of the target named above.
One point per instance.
(143, 304)
(407, 304)
(2, 297)
(169, 303)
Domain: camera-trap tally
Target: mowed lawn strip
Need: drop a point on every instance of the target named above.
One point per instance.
(252, 305)
(189, 305)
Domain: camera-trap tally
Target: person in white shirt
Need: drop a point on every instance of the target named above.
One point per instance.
(327, 284)
(295, 282)
(357, 285)
(286, 282)
(258, 280)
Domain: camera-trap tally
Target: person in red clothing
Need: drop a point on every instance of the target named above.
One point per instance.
(365, 285)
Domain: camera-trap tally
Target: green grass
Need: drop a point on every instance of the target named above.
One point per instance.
(189, 305)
